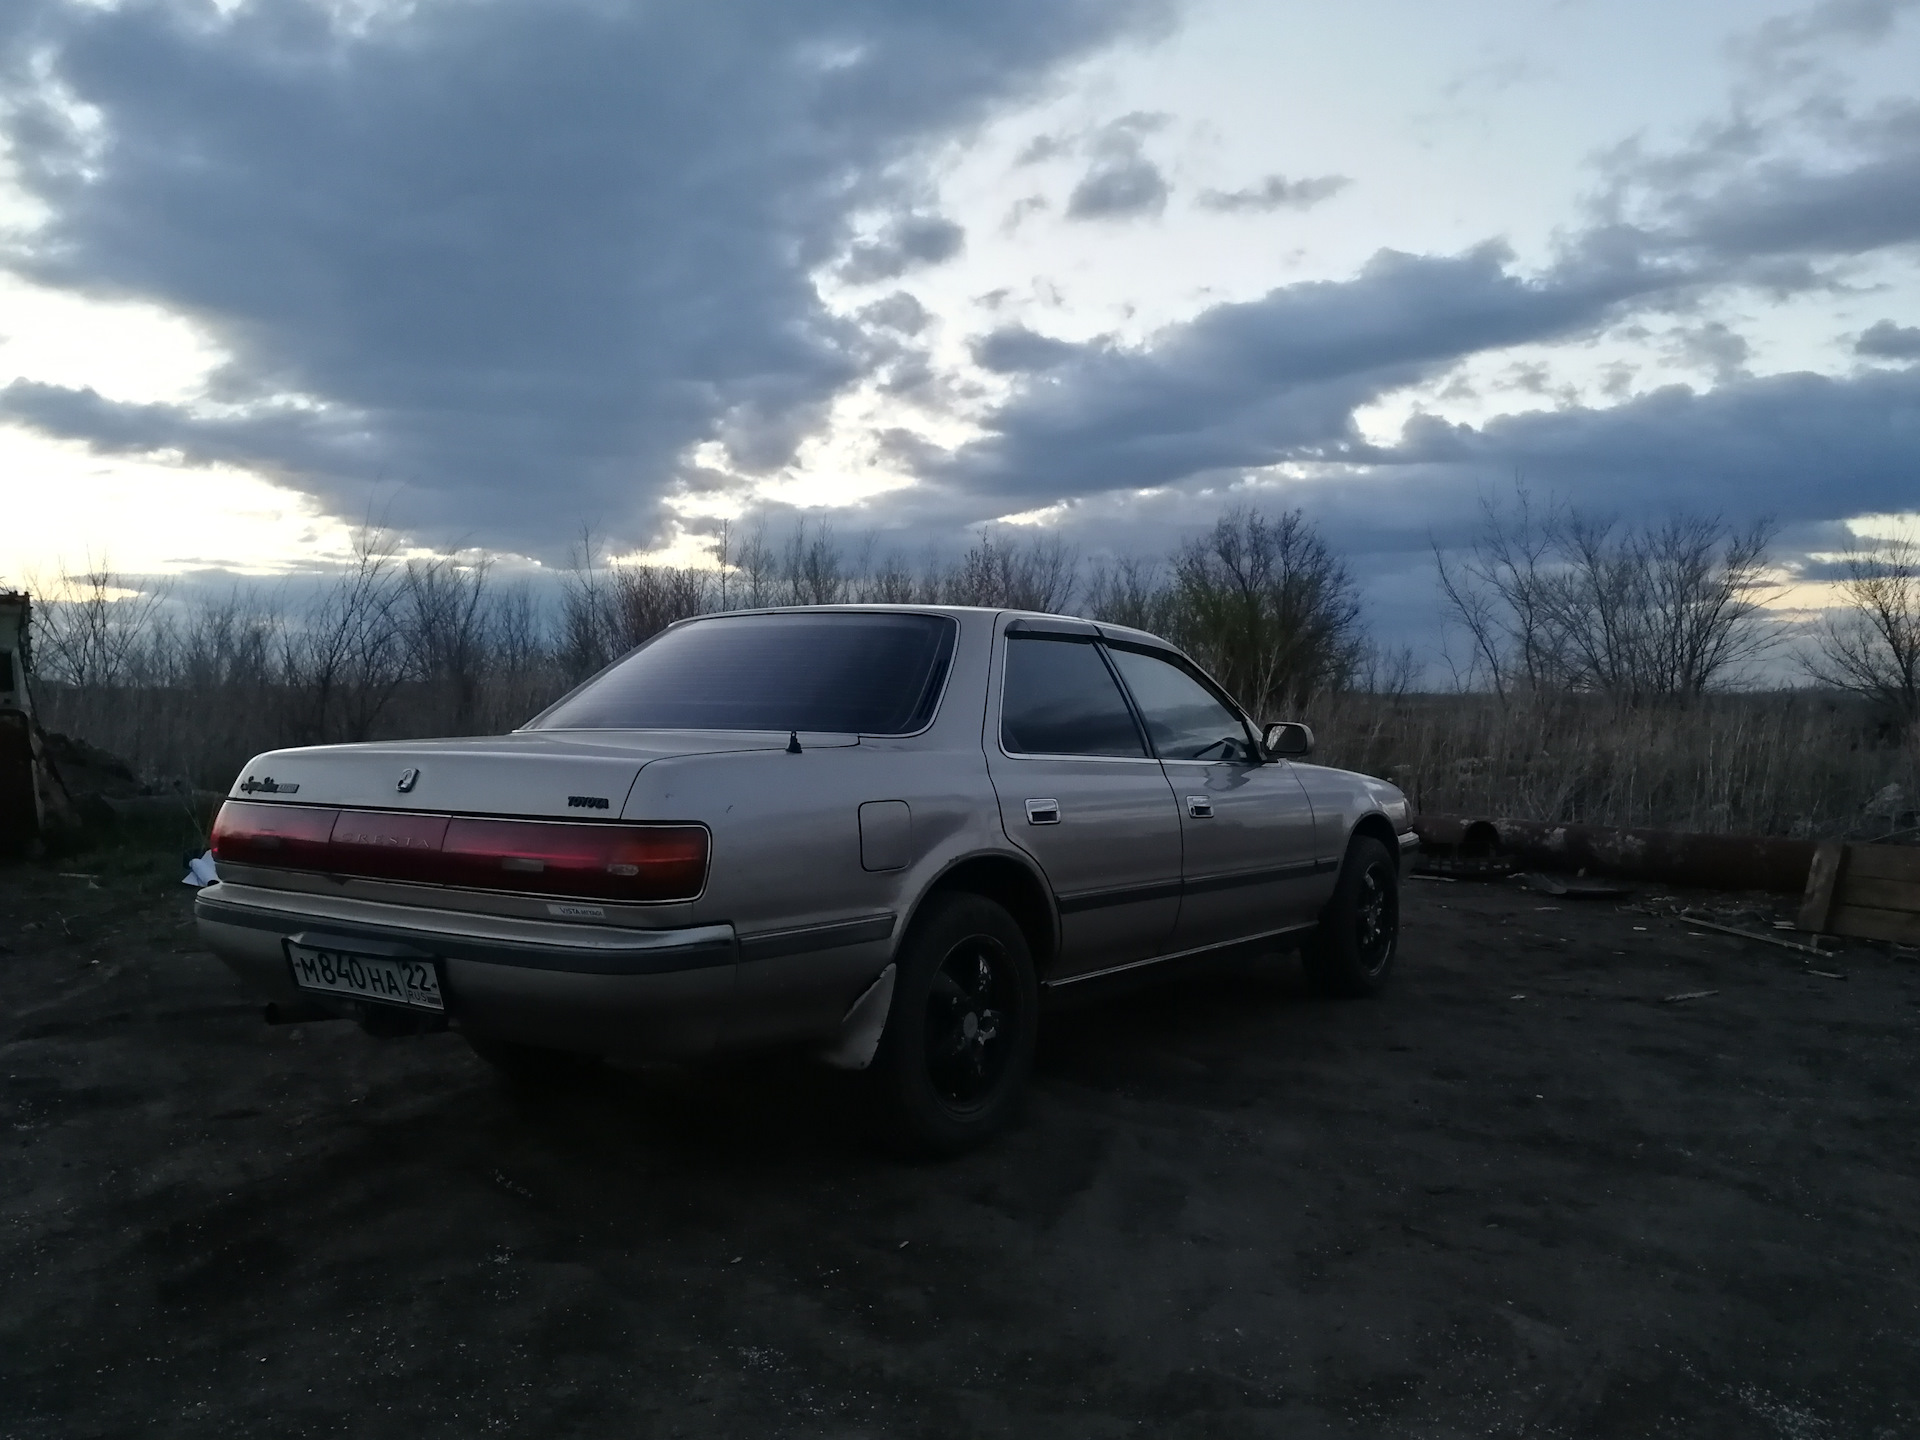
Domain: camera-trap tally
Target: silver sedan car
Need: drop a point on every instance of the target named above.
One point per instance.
(884, 832)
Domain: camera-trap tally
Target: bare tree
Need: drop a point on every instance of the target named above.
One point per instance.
(346, 660)
(1572, 602)
(1873, 647)
(754, 571)
(98, 634)
(442, 613)
(1129, 590)
(648, 598)
(1269, 607)
(1501, 594)
(1037, 574)
(812, 571)
(586, 639)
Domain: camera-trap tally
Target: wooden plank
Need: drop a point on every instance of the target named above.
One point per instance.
(1822, 877)
(1692, 919)
(1902, 895)
(1885, 862)
(1870, 924)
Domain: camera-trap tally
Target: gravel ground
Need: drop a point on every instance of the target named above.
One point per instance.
(1524, 1194)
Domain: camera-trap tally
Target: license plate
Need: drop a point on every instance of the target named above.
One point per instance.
(386, 978)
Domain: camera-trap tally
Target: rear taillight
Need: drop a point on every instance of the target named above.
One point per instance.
(610, 862)
(641, 863)
(293, 837)
(387, 846)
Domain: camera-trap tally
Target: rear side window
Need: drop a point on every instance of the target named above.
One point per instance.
(1060, 699)
(861, 674)
(1186, 720)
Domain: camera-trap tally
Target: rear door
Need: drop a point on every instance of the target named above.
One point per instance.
(1249, 866)
(1080, 793)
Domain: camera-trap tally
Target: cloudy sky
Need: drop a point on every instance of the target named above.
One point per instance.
(492, 270)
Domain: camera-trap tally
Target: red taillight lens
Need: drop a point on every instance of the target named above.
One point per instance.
(601, 862)
(291, 836)
(609, 862)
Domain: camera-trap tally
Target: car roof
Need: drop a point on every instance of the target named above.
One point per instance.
(1040, 619)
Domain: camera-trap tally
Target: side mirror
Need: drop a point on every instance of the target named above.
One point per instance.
(1288, 740)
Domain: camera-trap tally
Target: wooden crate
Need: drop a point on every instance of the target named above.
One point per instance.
(1869, 891)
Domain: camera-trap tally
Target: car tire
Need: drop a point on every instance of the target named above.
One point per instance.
(530, 1067)
(954, 1059)
(1351, 951)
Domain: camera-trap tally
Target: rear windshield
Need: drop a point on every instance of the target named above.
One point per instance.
(865, 674)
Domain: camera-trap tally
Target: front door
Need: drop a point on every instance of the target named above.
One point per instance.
(1080, 793)
(1250, 866)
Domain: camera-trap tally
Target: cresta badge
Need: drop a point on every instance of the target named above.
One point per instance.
(409, 777)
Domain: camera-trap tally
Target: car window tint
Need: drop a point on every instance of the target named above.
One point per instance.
(1185, 718)
(1060, 699)
(863, 674)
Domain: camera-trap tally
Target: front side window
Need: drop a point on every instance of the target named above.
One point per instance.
(1186, 719)
(874, 674)
(1060, 699)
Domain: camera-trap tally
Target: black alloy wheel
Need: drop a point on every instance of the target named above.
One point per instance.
(1376, 917)
(1351, 951)
(970, 1035)
(953, 1061)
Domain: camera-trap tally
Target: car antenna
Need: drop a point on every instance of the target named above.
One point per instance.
(793, 742)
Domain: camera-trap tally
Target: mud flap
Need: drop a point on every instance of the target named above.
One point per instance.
(858, 1039)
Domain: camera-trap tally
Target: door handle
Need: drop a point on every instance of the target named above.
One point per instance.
(1199, 807)
(1043, 812)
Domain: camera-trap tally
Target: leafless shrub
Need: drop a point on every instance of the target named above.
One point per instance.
(1873, 647)
(1269, 608)
(343, 664)
(811, 570)
(1040, 573)
(648, 598)
(1570, 602)
(99, 633)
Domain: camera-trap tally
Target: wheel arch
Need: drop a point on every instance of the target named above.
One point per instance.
(1375, 826)
(1009, 882)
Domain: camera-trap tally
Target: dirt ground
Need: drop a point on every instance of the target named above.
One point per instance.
(1525, 1194)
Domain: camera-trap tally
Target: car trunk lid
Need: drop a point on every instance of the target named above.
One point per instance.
(577, 774)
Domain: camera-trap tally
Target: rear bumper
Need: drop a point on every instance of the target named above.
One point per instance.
(589, 988)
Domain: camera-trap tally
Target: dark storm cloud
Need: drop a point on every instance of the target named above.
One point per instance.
(1885, 340)
(1800, 446)
(1014, 349)
(295, 439)
(907, 243)
(1263, 381)
(1738, 193)
(1277, 380)
(1777, 48)
(1122, 183)
(524, 252)
(898, 312)
(1276, 192)
(1119, 190)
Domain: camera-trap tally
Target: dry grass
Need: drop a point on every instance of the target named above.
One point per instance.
(1796, 762)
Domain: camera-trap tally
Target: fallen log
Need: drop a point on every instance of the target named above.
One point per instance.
(1672, 857)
